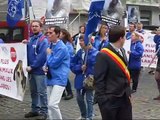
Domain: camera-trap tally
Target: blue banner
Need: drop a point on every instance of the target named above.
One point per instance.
(95, 10)
(14, 12)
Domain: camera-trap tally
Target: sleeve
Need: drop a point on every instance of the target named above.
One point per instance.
(41, 54)
(76, 64)
(138, 51)
(100, 70)
(155, 38)
(56, 59)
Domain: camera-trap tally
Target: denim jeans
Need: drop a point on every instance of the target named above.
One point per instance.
(54, 96)
(38, 88)
(86, 108)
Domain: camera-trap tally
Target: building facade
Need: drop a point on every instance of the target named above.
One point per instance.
(148, 11)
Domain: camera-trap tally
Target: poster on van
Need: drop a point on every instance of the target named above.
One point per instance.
(13, 74)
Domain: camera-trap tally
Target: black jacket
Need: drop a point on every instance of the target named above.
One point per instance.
(110, 81)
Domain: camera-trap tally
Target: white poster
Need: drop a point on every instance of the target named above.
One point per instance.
(13, 75)
(126, 46)
(149, 50)
(133, 14)
(58, 8)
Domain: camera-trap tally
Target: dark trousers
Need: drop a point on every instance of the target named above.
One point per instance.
(69, 88)
(110, 110)
(135, 78)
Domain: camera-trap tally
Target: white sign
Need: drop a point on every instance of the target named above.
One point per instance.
(149, 50)
(13, 75)
(127, 46)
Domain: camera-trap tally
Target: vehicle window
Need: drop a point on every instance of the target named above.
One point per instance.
(11, 35)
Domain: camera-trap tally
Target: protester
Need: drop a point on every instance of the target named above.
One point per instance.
(157, 73)
(82, 66)
(101, 39)
(135, 55)
(36, 49)
(140, 28)
(57, 68)
(112, 78)
(132, 28)
(67, 40)
(76, 37)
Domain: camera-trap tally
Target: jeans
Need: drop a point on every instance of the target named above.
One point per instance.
(86, 108)
(54, 96)
(38, 88)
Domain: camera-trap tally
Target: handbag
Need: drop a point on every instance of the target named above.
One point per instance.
(88, 82)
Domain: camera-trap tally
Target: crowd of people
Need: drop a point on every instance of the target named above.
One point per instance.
(51, 57)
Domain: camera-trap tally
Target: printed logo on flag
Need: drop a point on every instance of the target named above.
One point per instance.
(13, 7)
(14, 13)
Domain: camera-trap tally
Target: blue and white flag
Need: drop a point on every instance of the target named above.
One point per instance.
(109, 11)
(14, 12)
(95, 10)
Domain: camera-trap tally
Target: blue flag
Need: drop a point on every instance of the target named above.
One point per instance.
(14, 12)
(94, 18)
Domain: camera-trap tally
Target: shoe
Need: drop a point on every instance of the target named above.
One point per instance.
(157, 98)
(41, 117)
(68, 97)
(31, 114)
(133, 91)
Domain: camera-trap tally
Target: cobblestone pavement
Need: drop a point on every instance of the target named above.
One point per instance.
(144, 107)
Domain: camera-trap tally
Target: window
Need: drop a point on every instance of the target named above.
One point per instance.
(145, 17)
(9, 35)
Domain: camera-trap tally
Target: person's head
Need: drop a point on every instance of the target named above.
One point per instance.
(65, 36)
(135, 36)
(82, 43)
(139, 26)
(82, 29)
(36, 26)
(117, 35)
(132, 27)
(103, 29)
(158, 31)
(53, 33)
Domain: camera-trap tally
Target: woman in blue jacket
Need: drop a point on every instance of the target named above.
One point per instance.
(82, 65)
(67, 40)
(136, 52)
(58, 64)
(101, 40)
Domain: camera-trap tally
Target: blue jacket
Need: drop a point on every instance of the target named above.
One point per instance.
(1, 41)
(136, 55)
(77, 62)
(58, 63)
(36, 51)
(70, 49)
(97, 43)
(157, 41)
(128, 35)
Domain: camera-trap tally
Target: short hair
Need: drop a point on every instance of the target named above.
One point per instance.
(139, 23)
(38, 21)
(131, 23)
(81, 36)
(57, 29)
(115, 33)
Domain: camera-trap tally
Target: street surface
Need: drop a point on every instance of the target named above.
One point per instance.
(144, 107)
